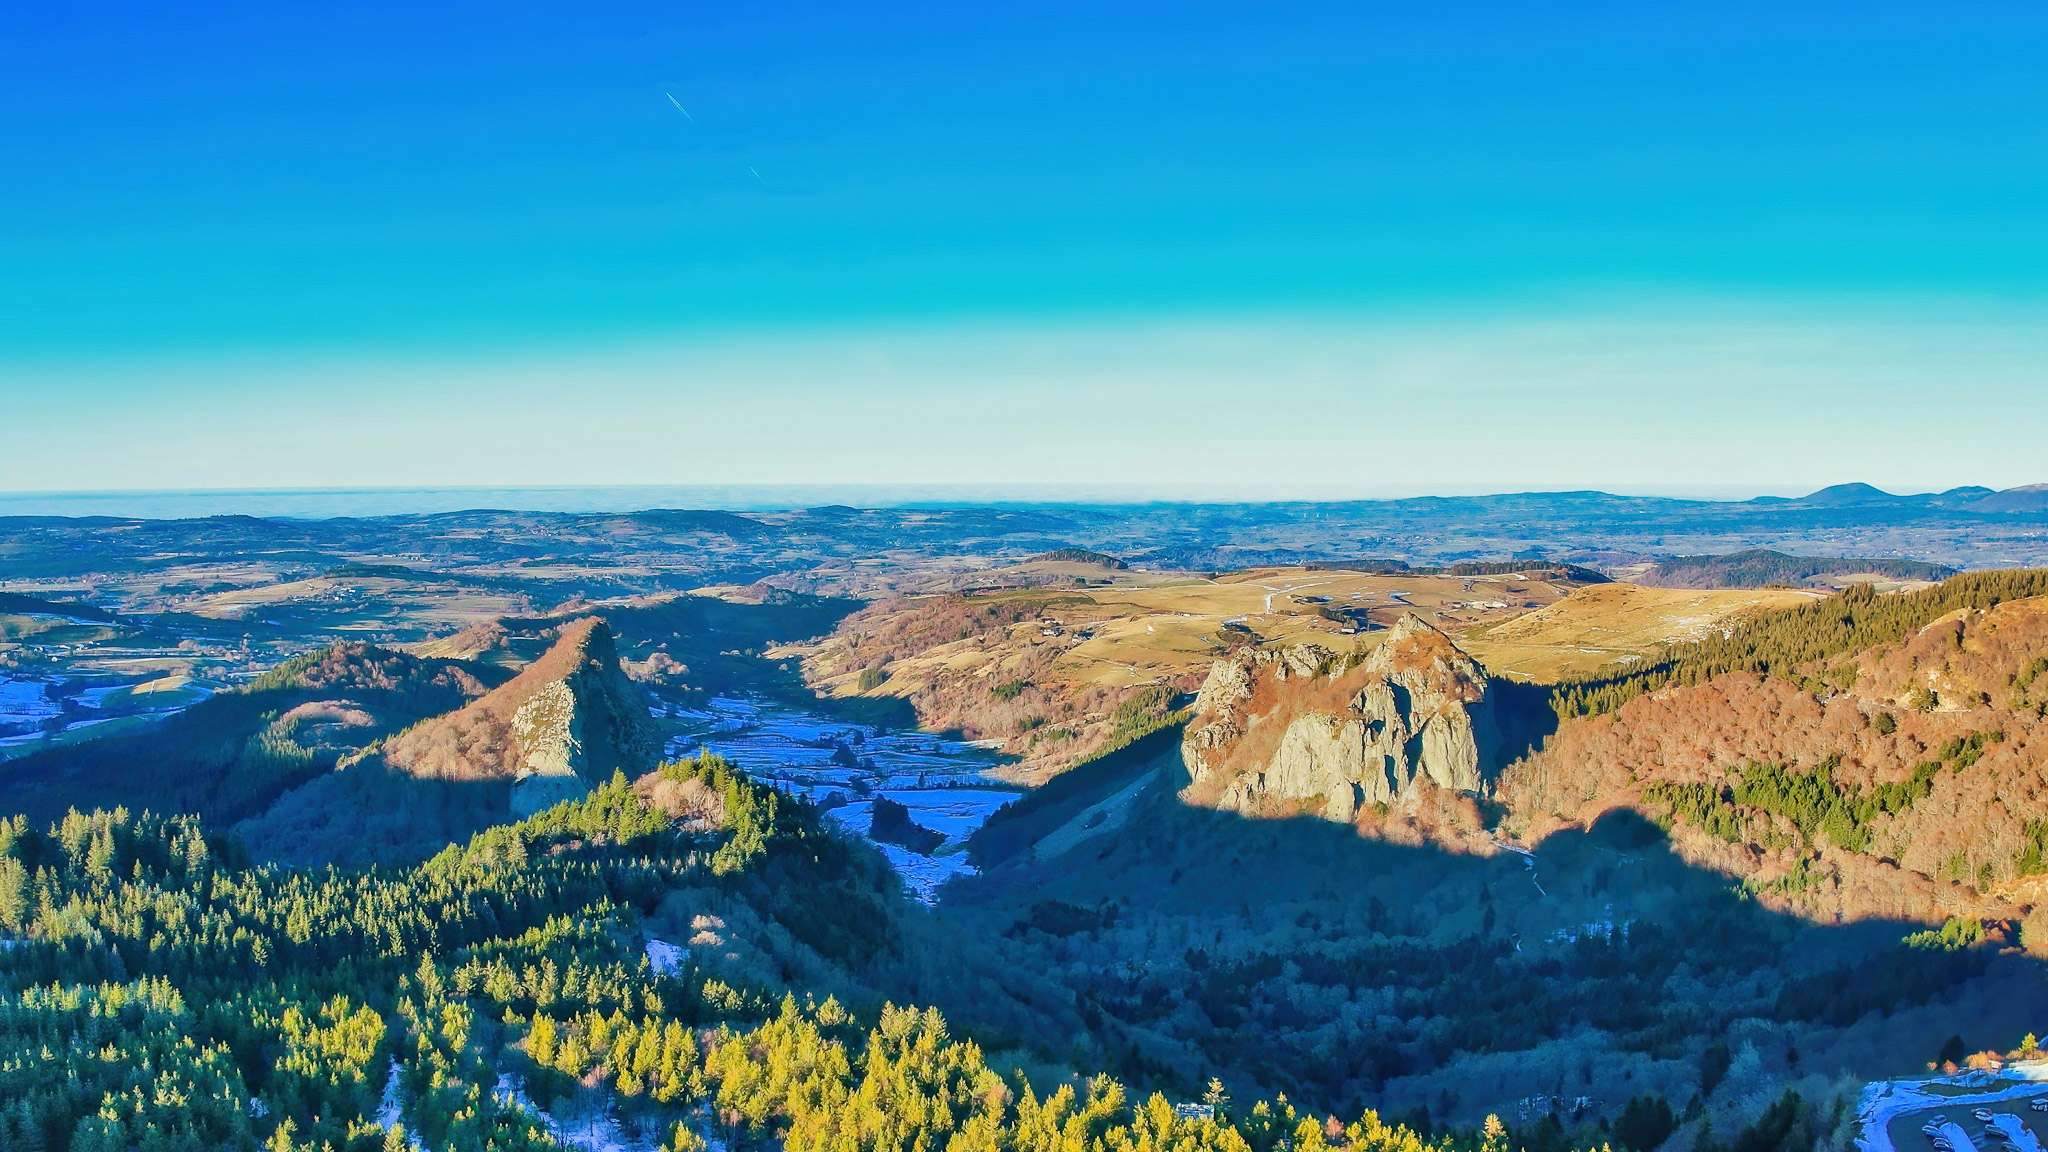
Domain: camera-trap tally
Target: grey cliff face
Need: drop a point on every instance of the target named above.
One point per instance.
(1420, 711)
(574, 732)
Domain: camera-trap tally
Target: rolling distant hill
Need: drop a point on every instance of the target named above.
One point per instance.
(553, 555)
(1842, 495)
(1975, 497)
(1761, 567)
(2028, 498)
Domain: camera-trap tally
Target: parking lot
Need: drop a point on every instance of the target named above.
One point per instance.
(1906, 1129)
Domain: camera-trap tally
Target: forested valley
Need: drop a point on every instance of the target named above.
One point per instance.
(162, 992)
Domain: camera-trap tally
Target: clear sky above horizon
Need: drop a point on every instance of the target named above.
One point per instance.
(1337, 248)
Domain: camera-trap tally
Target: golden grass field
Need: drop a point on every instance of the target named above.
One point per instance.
(1161, 630)
(1150, 627)
(1604, 624)
(377, 602)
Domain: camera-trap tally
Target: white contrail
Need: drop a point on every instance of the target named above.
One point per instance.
(757, 175)
(680, 108)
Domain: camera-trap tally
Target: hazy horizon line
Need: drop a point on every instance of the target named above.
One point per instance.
(321, 503)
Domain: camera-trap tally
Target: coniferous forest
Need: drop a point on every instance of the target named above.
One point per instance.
(163, 993)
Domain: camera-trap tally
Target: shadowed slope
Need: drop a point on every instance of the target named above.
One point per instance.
(1296, 955)
(571, 719)
(234, 753)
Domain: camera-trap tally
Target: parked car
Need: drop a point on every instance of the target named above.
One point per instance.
(1983, 1114)
(2039, 1105)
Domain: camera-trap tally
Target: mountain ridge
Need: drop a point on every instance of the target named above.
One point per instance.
(567, 722)
(234, 753)
(1970, 496)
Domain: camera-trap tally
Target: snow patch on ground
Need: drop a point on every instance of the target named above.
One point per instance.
(391, 1110)
(26, 708)
(25, 702)
(845, 765)
(665, 958)
(590, 1123)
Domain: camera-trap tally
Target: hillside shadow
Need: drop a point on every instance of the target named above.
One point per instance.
(720, 641)
(1524, 715)
(371, 815)
(226, 757)
(723, 645)
(1349, 971)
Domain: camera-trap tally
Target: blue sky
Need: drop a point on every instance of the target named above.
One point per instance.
(1433, 246)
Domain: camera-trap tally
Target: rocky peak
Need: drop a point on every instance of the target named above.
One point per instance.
(568, 720)
(1305, 730)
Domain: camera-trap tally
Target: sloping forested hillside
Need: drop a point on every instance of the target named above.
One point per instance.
(237, 751)
(1900, 777)
(1784, 642)
(158, 992)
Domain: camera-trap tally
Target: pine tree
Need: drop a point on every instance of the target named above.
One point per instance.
(541, 1040)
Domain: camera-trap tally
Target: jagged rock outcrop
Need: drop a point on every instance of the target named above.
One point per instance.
(1304, 730)
(567, 721)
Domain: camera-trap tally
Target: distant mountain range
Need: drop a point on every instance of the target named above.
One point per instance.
(2027, 498)
(809, 549)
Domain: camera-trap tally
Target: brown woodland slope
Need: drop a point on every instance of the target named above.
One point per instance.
(985, 667)
(569, 718)
(231, 755)
(1915, 785)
